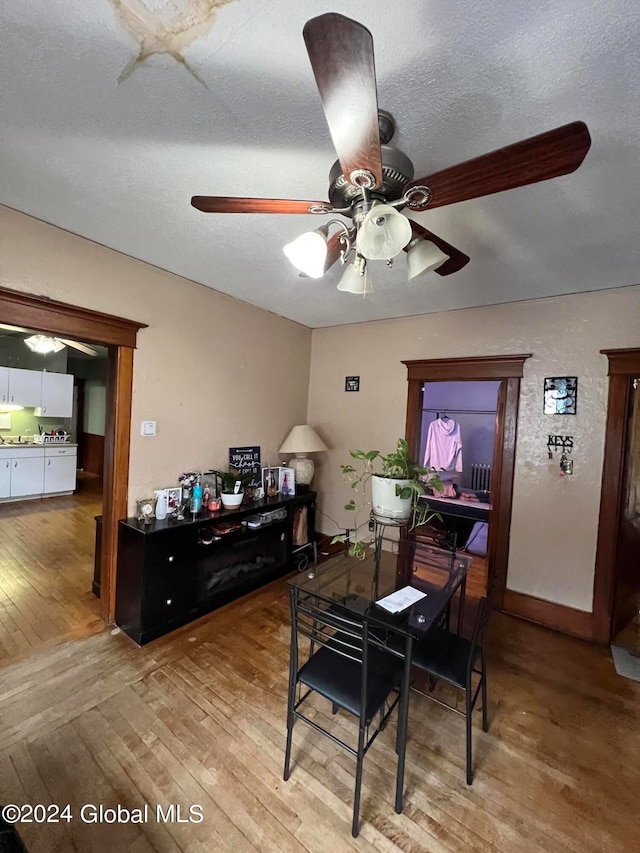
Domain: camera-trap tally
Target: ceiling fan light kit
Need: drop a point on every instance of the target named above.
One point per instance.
(372, 182)
(423, 256)
(383, 234)
(46, 344)
(43, 344)
(308, 252)
(356, 278)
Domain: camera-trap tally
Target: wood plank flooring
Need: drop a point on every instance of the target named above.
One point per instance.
(46, 568)
(198, 717)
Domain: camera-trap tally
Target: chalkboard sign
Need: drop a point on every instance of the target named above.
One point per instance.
(246, 459)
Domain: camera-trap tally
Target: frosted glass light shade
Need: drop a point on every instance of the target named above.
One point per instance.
(422, 257)
(356, 281)
(383, 234)
(43, 344)
(308, 253)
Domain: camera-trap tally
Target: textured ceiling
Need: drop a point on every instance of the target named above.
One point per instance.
(116, 112)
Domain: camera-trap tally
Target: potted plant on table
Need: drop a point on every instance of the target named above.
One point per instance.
(233, 485)
(397, 483)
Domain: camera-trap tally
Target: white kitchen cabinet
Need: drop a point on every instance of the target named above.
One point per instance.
(25, 387)
(4, 384)
(27, 471)
(5, 476)
(57, 395)
(60, 469)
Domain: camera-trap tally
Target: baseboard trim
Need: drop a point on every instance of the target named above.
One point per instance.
(577, 623)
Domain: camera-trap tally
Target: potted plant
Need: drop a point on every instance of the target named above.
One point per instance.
(396, 484)
(233, 486)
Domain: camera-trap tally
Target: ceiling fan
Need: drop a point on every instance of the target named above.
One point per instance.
(372, 183)
(45, 344)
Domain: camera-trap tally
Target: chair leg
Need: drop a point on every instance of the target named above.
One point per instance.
(469, 730)
(355, 825)
(485, 718)
(334, 708)
(291, 698)
(287, 752)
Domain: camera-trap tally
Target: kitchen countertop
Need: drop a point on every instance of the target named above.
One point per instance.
(12, 445)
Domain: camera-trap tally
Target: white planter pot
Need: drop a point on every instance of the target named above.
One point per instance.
(386, 504)
(230, 501)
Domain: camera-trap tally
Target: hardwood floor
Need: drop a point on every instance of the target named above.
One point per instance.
(46, 568)
(198, 717)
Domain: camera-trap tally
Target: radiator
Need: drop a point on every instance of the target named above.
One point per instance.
(481, 477)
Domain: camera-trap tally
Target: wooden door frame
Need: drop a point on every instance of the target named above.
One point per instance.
(119, 335)
(623, 365)
(507, 368)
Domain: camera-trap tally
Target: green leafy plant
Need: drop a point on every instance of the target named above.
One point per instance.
(230, 478)
(396, 465)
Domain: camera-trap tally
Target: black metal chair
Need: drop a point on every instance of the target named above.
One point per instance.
(348, 666)
(455, 660)
(430, 536)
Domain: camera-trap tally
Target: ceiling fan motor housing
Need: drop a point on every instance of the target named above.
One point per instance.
(397, 171)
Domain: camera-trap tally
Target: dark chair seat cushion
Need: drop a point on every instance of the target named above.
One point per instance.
(444, 655)
(338, 679)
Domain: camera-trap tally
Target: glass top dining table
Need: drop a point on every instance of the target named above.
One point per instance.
(356, 585)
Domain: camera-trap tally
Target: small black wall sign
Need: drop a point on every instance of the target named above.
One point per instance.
(352, 383)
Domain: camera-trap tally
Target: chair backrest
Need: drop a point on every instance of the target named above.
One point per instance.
(479, 626)
(324, 624)
(423, 557)
(446, 539)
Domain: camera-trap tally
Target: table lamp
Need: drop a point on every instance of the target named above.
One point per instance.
(302, 440)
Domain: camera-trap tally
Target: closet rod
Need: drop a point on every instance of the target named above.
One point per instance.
(463, 411)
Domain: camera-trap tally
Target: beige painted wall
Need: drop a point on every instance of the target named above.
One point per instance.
(554, 524)
(212, 371)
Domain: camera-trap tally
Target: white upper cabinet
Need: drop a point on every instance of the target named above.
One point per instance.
(57, 395)
(4, 384)
(25, 387)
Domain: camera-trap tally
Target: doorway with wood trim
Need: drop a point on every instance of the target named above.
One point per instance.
(458, 440)
(119, 335)
(507, 370)
(616, 589)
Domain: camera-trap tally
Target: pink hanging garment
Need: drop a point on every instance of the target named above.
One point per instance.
(444, 446)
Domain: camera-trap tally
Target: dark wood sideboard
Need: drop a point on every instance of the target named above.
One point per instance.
(171, 572)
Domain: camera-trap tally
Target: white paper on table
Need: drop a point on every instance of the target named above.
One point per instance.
(401, 599)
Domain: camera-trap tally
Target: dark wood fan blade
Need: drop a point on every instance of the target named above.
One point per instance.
(334, 247)
(222, 204)
(341, 54)
(457, 259)
(548, 155)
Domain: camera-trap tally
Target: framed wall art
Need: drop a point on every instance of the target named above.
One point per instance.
(560, 395)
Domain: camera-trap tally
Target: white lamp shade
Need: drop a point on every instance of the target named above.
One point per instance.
(43, 344)
(422, 257)
(303, 439)
(356, 281)
(308, 253)
(383, 234)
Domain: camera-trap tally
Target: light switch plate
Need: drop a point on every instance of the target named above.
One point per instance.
(148, 428)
